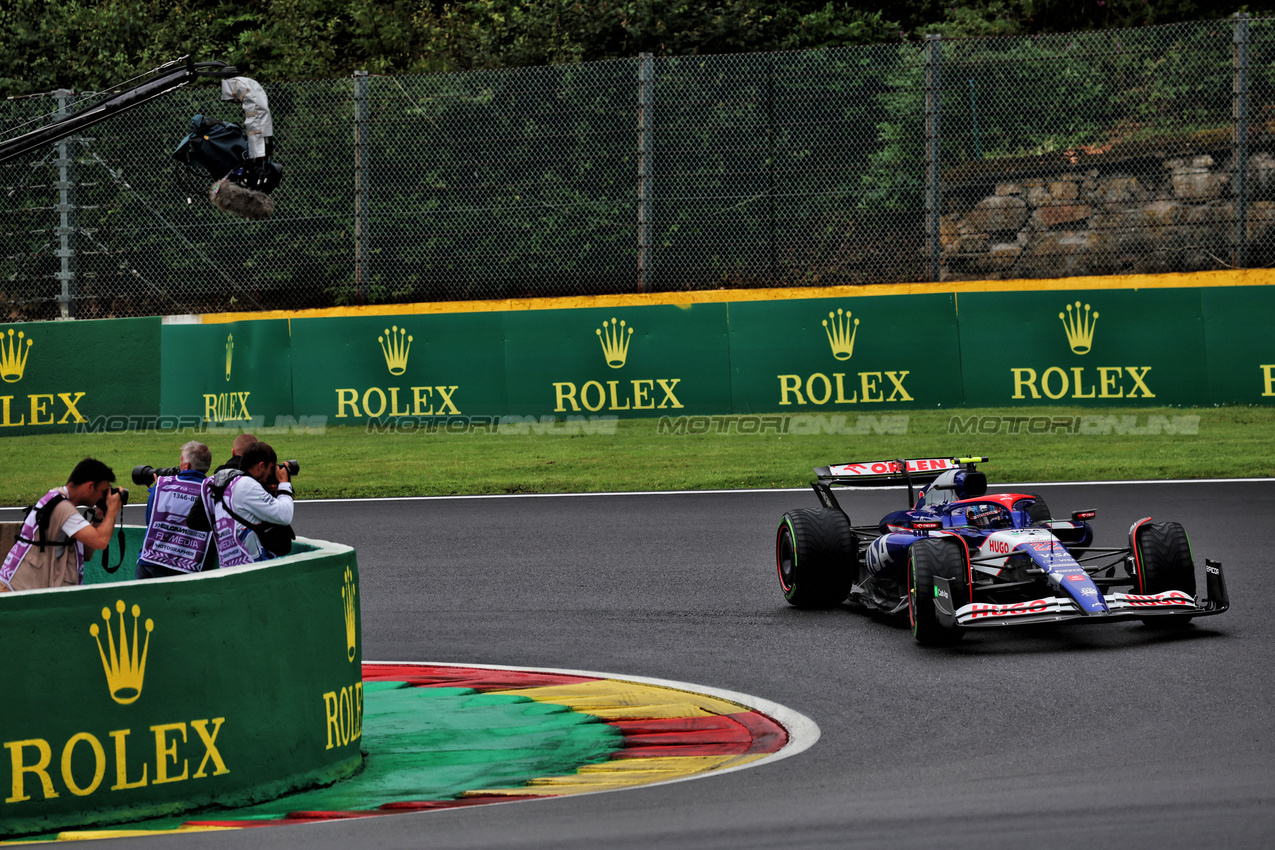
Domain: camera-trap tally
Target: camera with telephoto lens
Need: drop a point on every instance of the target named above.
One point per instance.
(144, 476)
(293, 466)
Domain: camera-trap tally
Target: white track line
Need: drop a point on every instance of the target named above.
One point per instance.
(747, 491)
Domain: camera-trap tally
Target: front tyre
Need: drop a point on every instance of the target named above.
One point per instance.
(816, 552)
(1162, 561)
(926, 559)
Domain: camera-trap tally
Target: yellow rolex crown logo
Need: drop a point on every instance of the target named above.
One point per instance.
(615, 343)
(230, 350)
(1079, 328)
(13, 361)
(124, 669)
(351, 619)
(841, 333)
(395, 345)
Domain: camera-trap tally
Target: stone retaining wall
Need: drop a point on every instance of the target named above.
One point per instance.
(1143, 215)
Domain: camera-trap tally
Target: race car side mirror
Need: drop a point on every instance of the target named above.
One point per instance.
(1081, 516)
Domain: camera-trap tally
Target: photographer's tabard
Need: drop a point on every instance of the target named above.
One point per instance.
(170, 541)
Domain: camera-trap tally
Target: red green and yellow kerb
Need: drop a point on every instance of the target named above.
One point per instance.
(442, 736)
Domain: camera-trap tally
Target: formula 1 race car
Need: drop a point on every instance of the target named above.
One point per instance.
(962, 558)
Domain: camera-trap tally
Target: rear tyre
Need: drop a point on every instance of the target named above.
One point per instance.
(926, 559)
(817, 553)
(1162, 561)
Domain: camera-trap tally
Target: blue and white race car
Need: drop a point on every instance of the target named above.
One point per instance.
(961, 558)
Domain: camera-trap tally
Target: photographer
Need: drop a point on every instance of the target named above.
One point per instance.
(247, 522)
(237, 448)
(171, 547)
(55, 535)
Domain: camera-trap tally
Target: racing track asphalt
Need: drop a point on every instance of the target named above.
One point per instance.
(1084, 736)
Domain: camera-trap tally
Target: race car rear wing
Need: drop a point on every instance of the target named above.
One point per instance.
(886, 473)
(883, 473)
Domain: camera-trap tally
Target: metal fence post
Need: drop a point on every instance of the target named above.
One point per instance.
(770, 162)
(646, 80)
(933, 193)
(1241, 41)
(66, 213)
(360, 184)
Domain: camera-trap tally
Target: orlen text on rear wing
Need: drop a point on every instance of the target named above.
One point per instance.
(884, 473)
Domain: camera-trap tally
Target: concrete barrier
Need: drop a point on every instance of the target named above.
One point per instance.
(125, 700)
(1120, 341)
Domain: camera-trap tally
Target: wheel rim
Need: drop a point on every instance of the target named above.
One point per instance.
(786, 558)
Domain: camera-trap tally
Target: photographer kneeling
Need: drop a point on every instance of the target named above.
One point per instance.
(248, 523)
(171, 547)
(55, 534)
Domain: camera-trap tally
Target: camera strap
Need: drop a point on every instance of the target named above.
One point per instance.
(106, 553)
(42, 515)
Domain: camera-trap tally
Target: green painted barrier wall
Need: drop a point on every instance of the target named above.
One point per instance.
(96, 375)
(1105, 347)
(845, 354)
(359, 368)
(137, 699)
(1239, 344)
(644, 361)
(226, 373)
(1150, 345)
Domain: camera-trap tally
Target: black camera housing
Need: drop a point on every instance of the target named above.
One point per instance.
(123, 491)
(272, 480)
(143, 475)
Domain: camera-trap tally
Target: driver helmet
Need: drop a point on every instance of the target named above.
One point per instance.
(989, 517)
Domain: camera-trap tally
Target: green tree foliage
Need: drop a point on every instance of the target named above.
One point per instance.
(778, 165)
(46, 44)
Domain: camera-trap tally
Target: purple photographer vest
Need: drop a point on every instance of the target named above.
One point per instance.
(230, 549)
(169, 541)
(29, 531)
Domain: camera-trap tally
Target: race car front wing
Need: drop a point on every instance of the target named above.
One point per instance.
(1053, 609)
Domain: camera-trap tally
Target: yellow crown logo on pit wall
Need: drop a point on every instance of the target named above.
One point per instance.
(395, 345)
(1079, 328)
(13, 361)
(124, 669)
(351, 620)
(615, 343)
(841, 333)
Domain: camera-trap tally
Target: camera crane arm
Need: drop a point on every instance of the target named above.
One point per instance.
(168, 78)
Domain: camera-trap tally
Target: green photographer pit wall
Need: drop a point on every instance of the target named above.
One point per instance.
(132, 699)
(1152, 341)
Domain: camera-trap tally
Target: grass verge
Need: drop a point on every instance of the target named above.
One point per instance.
(1038, 444)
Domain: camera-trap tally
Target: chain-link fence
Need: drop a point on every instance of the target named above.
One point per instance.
(1095, 153)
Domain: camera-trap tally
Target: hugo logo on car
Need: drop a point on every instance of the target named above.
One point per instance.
(1172, 597)
(1018, 609)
